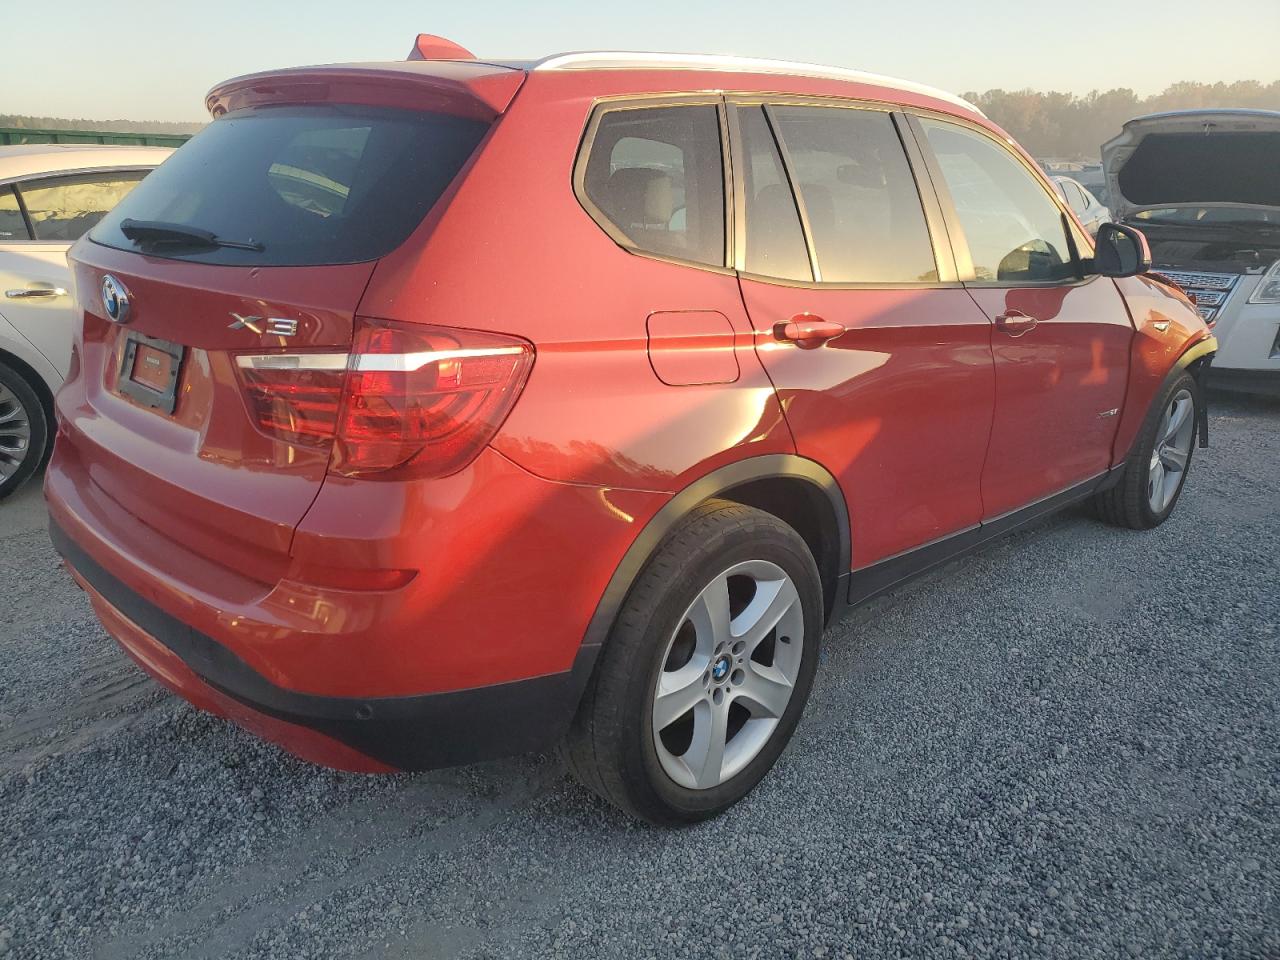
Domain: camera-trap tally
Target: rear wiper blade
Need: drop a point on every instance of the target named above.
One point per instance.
(177, 234)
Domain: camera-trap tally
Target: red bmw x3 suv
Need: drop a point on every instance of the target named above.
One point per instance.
(425, 412)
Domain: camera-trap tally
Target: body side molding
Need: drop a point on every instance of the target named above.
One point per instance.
(869, 582)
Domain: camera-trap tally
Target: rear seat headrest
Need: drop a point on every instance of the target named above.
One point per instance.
(640, 197)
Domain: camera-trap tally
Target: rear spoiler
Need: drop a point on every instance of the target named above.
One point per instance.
(462, 87)
(430, 47)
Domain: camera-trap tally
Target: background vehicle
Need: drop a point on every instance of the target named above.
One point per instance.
(1087, 173)
(1085, 205)
(49, 196)
(1202, 185)
(417, 421)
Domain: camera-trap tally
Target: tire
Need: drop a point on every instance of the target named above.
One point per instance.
(1133, 501)
(724, 556)
(24, 431)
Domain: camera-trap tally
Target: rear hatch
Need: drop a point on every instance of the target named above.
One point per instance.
(205, 407)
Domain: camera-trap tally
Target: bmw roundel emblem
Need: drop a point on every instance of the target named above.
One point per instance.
(115, 300)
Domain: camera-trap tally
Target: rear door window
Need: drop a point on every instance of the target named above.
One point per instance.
(858, 194)
(321, 184)
(775, 245)
(62, 209)
(1015, 231)
(12, 226)
(654, 180)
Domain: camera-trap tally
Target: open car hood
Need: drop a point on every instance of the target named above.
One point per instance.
(1209, 158)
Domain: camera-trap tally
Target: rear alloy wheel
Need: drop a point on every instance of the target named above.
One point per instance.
(1156, 470)
(706, 672)
(23, 431)
(728, 674)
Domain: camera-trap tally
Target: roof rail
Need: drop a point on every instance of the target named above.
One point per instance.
(624, 60)
(430, 47)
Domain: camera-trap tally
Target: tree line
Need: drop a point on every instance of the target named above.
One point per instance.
(1048, 124)
(1075, 127)
(25, 122)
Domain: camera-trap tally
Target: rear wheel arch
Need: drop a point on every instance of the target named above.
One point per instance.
(800, 492)
(805, 507)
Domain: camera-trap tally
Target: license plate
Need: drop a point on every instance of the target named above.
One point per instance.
(149, 371)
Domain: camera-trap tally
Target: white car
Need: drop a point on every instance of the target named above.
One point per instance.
(1203, 186)
(1088, 208)
(50, 194)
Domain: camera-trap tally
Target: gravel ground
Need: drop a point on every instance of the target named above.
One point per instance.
(1066, 746)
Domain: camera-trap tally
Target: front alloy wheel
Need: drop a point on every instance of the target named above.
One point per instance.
(1155, 472)
(1172, 451)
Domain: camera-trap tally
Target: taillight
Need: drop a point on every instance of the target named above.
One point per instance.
(295, 396)
(409, 400)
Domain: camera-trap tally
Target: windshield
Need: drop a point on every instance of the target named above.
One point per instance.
(299, 185)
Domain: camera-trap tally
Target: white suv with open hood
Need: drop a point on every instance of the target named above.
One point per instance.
(1203, 186)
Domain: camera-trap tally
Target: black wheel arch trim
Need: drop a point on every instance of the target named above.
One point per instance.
(776, 466)
(1199, 355)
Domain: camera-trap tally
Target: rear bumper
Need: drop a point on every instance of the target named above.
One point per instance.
(374, 734)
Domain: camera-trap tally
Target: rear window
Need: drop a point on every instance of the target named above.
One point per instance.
(312, 185)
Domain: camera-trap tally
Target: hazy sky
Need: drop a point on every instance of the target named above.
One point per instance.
(148, 60)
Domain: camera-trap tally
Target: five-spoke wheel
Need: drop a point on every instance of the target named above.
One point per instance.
(1148, 487)
(707, 669)
(1172, 450)
(728, 674)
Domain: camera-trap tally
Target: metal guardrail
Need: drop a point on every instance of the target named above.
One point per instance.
(15, 135)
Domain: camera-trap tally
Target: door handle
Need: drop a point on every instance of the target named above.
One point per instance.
(35, 293)
(1015, 323)
(807, 331)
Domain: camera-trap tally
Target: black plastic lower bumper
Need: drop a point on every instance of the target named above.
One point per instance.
(410, 733)
(1264, 382)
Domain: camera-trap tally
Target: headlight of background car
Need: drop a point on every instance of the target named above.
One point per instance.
(1268, 290)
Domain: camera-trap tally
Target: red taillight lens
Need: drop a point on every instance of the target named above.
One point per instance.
(410, 400)
(425, 399)
(295, 397)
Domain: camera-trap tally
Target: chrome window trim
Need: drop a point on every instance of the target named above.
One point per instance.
(1078, 242)
(74, 172)
(18, 182)
(797, 195)
(602, 106)
(935, 226)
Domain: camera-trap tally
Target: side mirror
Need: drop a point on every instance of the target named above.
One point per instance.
(1120, 251)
